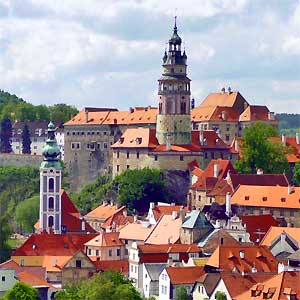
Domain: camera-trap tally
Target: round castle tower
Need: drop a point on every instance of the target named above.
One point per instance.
(173, 123)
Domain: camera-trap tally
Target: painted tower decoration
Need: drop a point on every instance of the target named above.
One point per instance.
(50, 184)
(173, 124)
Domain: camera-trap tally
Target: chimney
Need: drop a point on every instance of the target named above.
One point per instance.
(193, 103)
(236, 145)
(152, 205)
(135, 218)
(229, 90)
(174, 215)
(228, 204)
(111, 203)
(224, 115)
(242, 254)
(131, 110)
(104, 203)
(223, 90)
(82, 225)
(216, 170)
(260, 171)
(201, 137)
(283, 139)
(125, 213)
(86, 115)
(291, 189)
(297, 138)
(168, 142)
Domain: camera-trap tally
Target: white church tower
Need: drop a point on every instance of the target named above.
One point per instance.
(50, 185)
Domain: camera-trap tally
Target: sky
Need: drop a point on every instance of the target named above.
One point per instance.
(108, 53)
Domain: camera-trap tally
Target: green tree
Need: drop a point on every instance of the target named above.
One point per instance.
(259, 151)
(5, 136)
(296, 174)
(220, 295)
(137, 188)
(181, 293)
(109, 285)
(27, 213)
(42, 113)
(62, 112)
(5, 233)
(26, 142)
(21, 291)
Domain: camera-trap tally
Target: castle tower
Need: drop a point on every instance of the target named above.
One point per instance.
(173, 123)
(50, 184)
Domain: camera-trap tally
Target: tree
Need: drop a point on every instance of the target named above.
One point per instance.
(26, 142)
(27, 213)
(109, 285)
(5, 232)
(21, 291)
(296, 174)
(259, 151)
(181, 293)
(5, 135)
(62, 112)
(137, 188)
(220, 295)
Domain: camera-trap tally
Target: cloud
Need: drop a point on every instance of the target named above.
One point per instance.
(106, 53)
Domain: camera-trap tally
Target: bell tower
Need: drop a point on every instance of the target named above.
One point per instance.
(173, 123)
(50, 184)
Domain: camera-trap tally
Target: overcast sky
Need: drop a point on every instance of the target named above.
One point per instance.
(108, 53)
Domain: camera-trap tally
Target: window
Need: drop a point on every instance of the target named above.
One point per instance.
(50, 221)
(118, 154)
(105, 145)
(118, 168)
(109, 252)
(51, 185)
(3, 278)
(131, 268)
(75, 146)
(281, 213)
(212, 155)
(89, 251)
(146, 275)
(181, 158)
(264, 199)
(138, 155)
(97, 252)
(135, 269)
(51, 203)
(282, 199)
(126, 251)
(78, 263)
(127, 167)
(146, 287)
(182, 108)
(205, 155)
(155, 157)
(247, 197)
(118, 252)
(127, 154)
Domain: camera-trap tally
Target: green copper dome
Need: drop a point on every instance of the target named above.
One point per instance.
(51, 151)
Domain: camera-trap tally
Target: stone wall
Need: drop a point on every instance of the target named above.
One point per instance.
(18, 160)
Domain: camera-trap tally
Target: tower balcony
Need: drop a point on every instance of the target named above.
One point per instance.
(172, 92)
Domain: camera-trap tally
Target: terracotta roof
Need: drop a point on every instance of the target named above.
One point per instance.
(52, 244)
(193, 164)
(221, 188)
(266, 196)
(214, 113)
(166, 231)
(135, 231)
(256, 113)
(160, 210)
(223, 99)
(184, 275)
(258, 180)
(117, 221)
(33, 280)
(137, 138)
(55, 263)
(197, 172)
(228, 259)
(71, 217)
(206, 179)
(169, 248)
(258, 226)
(291, 142)
(116, 265)
(280, 286)
(106, 239)
(137, 115)
(274, 232)
(104, 211)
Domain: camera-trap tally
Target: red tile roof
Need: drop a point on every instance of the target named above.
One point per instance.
(33, 280)
(169, 248)
(258, 226)
(104, 211)
(53, 244)
(184, 275)
(106, 239)
(117, 221)
(228, 259)
(116, 265)
(160, 210)
(256, 113)
(214, 113)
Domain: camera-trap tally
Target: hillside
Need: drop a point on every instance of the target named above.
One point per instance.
(289, 123)
(18, 109)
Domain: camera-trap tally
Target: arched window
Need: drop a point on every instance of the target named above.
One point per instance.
(50, 221)
(51, 185)
(51, 203)
(160, 108)
(169, 107)
(183, 108)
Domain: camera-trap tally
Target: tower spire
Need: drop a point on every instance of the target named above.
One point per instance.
(175, 24)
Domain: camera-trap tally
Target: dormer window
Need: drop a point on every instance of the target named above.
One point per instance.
(247, 197)
(264, 199)
(283, 199)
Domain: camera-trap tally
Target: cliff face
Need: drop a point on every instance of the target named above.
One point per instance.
(178, 185)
